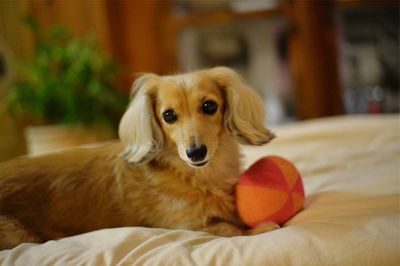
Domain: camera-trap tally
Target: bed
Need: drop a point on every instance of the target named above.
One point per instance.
(351, 173)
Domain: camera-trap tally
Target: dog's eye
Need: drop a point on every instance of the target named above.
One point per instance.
(170, 116)
(209, 107)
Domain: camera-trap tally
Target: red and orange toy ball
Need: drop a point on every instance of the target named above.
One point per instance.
(270, 190)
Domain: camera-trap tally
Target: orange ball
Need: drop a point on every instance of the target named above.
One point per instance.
(270, 190)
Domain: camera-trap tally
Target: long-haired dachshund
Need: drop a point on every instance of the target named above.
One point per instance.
(175, 167)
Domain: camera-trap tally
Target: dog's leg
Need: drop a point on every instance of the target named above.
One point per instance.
(262, 228)
(227, 229)
(12, 233)
(223, 229)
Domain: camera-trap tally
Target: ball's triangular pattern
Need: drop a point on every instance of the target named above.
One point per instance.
(260, 194)
(288, 170)
(298, 186)
(298, 202)
(280, 216)
(264, 173)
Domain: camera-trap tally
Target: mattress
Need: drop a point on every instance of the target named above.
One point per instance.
(351, 173)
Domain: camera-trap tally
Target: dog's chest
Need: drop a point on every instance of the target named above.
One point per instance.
(182, 204)
(169, 199)
(192, 210)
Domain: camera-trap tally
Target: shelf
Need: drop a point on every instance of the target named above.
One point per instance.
(354, 4)
(224, 17)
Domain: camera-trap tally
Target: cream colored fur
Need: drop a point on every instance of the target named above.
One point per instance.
(147, 178)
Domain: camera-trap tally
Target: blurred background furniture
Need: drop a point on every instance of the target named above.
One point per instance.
(308, 59)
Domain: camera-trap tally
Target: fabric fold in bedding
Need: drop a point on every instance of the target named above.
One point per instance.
(351, 173)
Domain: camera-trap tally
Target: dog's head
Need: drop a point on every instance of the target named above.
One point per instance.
(191, 112)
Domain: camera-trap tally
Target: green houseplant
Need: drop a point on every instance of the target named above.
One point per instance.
(68, 81)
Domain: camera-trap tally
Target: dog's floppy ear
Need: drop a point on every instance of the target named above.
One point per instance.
(139, 130)
(244, 114)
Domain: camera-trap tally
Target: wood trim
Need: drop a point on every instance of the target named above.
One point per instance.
(221, 17)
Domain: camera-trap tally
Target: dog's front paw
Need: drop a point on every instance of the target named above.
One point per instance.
(263, 228)
(223, 229)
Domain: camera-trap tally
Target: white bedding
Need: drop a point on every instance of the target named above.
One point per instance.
(351, 173)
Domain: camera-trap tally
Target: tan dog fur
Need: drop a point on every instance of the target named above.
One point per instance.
(146, 179)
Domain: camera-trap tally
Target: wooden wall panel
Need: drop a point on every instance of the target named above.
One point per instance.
(130, 31)
(16, 43)
(314, 59)
(137, 36)
(80, 17)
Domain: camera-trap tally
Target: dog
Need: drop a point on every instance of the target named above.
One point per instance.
(175, 166)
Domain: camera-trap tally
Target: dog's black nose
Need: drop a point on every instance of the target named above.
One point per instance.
(196, 154)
